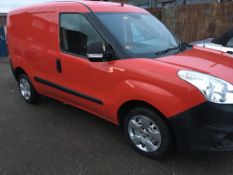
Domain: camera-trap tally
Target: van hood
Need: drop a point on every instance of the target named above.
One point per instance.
(204, 60)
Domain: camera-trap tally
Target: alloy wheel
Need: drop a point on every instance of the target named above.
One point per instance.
(144, 133)
(25, 88)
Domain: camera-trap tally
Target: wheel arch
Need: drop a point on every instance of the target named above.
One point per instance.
(138, 103)
(18, 71)
(125, 107)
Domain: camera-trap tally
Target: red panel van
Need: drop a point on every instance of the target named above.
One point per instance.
(122, 64)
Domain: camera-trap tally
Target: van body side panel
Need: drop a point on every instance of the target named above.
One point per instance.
(17, 28)
(31, 41)
(44, 47)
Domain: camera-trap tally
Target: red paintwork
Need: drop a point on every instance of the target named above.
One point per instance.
(209, 61)
(35, 47)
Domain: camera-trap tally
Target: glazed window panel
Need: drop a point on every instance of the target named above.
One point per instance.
(76, 33)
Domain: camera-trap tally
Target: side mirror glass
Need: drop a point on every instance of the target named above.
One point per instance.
(97, 53)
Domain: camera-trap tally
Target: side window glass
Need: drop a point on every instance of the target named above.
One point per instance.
(230, 43)
(76, 34)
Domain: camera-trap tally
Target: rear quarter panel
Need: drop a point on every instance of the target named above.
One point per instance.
(31, 35)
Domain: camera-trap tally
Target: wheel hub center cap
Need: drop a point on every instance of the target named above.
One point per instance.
(144, 133)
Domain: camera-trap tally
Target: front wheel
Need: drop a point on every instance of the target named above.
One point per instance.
(147, 132)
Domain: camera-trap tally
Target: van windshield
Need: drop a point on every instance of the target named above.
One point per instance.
(140, 35)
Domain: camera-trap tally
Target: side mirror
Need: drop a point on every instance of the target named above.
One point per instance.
(97, 53)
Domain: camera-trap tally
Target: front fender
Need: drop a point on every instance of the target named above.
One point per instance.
(170, 101)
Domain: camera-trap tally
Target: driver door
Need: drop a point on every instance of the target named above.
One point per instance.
(82, 82)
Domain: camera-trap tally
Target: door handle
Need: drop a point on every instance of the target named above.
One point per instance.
(230, 52)
(58, 65)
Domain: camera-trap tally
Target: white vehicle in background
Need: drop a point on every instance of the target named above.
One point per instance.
(223, 43)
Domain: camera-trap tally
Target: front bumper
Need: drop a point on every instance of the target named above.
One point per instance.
(207, 126)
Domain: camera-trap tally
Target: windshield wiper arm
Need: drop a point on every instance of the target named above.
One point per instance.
(183, 45)
(166, 51)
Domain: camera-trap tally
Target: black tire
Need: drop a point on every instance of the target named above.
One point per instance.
(34, 96)
(163, 130)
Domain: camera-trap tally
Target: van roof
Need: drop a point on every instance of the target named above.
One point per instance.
(94, 6)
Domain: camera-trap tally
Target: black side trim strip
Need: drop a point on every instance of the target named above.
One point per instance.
(53, 85)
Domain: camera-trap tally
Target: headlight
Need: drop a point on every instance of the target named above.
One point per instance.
(214, 89)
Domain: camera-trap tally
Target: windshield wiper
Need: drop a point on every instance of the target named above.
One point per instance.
(183, 45)
(166, 51)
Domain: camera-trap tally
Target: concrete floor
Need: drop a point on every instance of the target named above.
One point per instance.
(51, 138)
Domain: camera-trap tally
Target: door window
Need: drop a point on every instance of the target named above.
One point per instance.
(76, 33)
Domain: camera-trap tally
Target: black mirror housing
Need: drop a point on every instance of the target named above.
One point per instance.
(97, 53)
